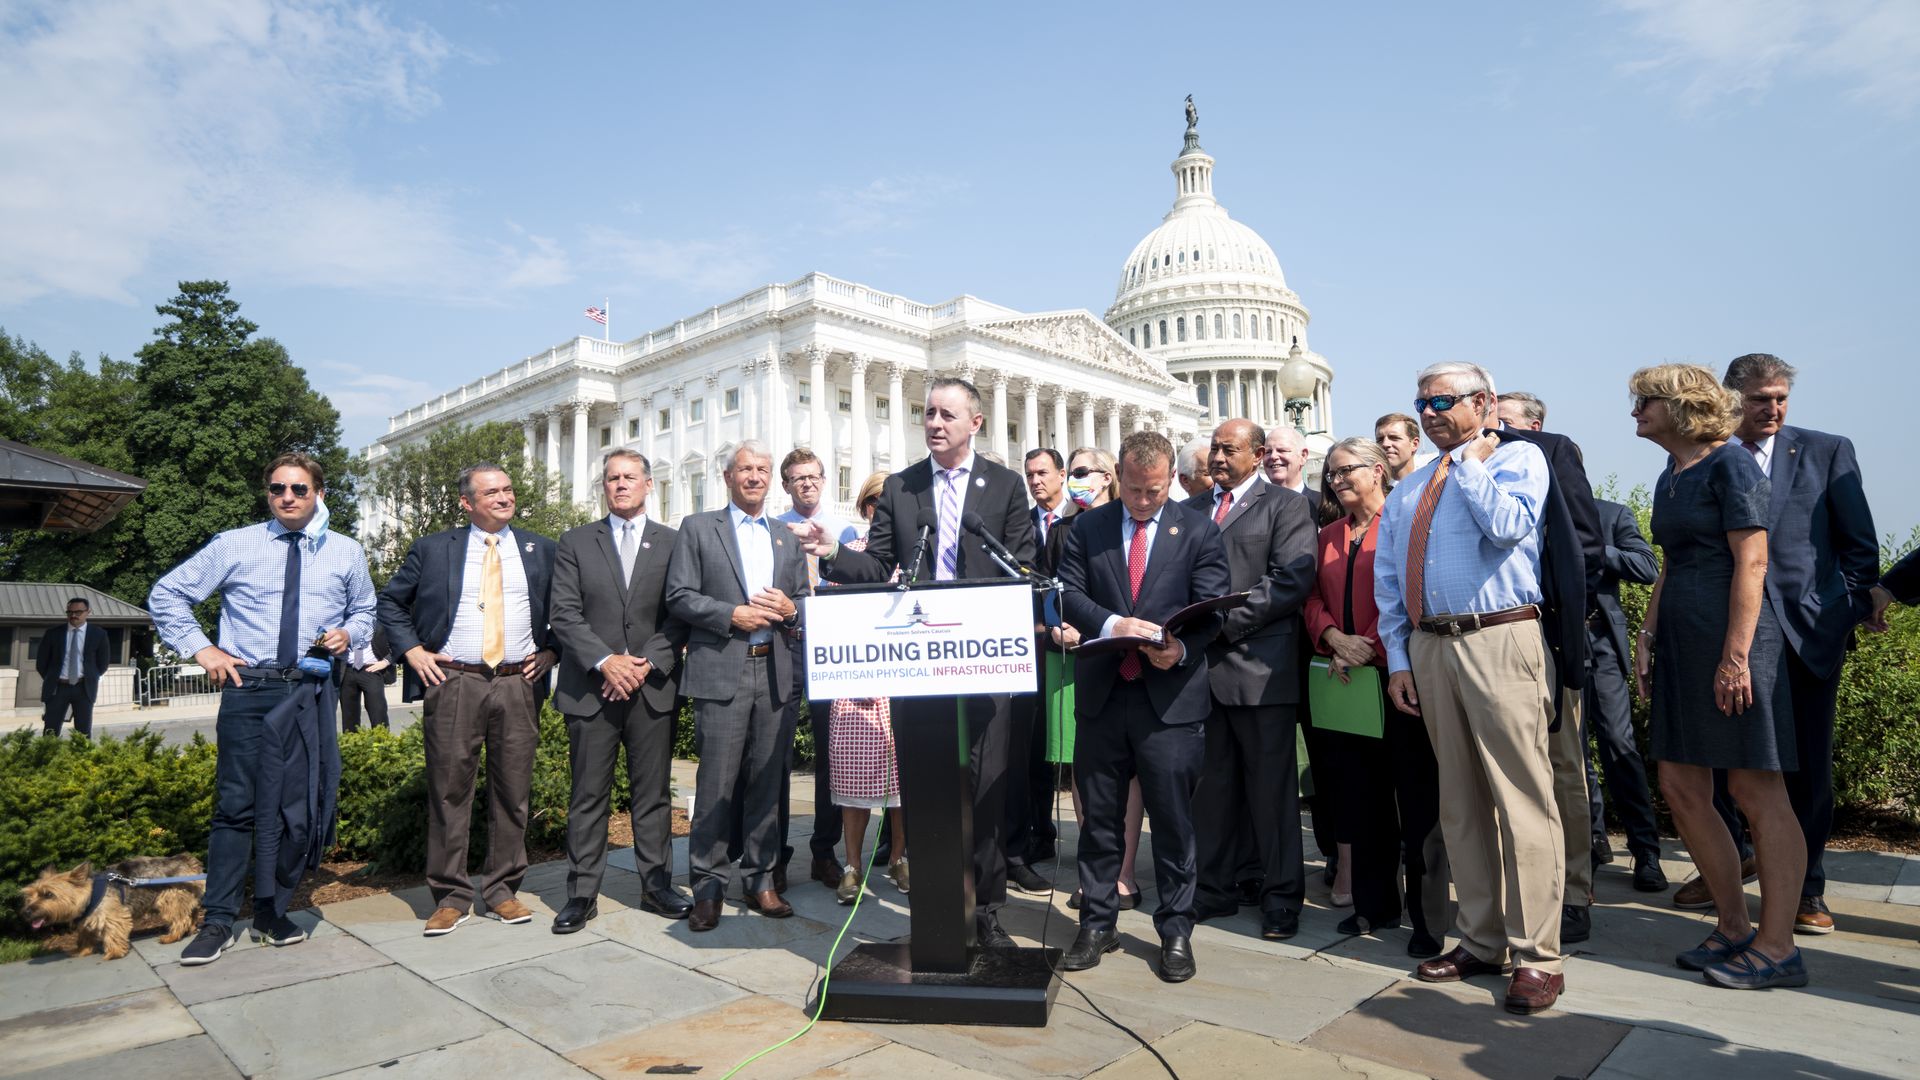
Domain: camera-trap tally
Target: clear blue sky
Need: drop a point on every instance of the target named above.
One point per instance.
(408, 196)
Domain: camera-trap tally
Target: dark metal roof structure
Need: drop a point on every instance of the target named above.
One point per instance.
(40, 489)
(46, 602)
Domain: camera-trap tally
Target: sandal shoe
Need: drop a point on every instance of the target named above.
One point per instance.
(1717, 948)
(1753, 970)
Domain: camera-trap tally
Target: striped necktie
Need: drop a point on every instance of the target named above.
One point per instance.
(949, 538)
(1417, 541)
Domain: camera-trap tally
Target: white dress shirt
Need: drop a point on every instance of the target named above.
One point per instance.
(75, 664)
(1762, 453)
(754, 537)
(464, 640)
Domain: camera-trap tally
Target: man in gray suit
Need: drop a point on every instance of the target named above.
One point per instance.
(1253, 668)
(620, 648)
(734, 579)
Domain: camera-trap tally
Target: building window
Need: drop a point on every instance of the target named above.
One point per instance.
(846, 402)
(1163, 331)
(1013, 434)
(882, 408)
(1133, 335)
(606, 437)
(664, 420)
(806, 392)
(919, 414)
(1216, 325)
(633, 427)
(696, 410)
(663, 497)
(846, 484)
(1200, 328)
(1269, 328)
(730, 403)
(696, 492)
(1236, 324)
(1180, 328)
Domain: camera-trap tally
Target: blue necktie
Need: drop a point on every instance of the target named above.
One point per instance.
(290, 605)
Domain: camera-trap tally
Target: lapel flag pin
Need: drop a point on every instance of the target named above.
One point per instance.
(981, 482)
(529, 548)
(1173, 530)
(646, 543)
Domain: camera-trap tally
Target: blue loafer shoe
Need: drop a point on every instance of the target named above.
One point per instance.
(1716, 949)
(1751, 970)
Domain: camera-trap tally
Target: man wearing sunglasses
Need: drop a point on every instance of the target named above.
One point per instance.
(1458, 580)
(282, 586)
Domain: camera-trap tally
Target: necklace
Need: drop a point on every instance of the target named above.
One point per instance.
(1676, 468)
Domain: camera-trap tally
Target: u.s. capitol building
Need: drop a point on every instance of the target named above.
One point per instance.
(1202, 326)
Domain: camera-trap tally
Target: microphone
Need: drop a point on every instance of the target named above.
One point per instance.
(971, 522)
(928, 521)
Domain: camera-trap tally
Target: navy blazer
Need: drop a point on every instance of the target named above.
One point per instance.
(1903, 580)
(1564, 580)
(1186, 564)
(418, 603)
(995, 492)
(51, 659)
(1822, 556)
(1269, 537)
(1628, 558)
(296, 787)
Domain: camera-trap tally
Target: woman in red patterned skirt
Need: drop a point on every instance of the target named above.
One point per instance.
(866, 773)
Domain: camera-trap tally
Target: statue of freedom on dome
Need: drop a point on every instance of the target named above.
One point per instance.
(1193, 117)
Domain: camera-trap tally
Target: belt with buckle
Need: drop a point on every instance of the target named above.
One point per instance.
(282, 674)
(1457, 625)
(765, 648)
(487, 670)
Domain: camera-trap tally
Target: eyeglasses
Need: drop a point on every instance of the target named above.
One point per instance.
(1341, 472)
(1080, 473)
(74, 612)
(1440, 402)
(299, 490)
(1640, 401)
(802, 481)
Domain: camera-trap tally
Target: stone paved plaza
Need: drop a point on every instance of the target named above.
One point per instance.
(367, 996)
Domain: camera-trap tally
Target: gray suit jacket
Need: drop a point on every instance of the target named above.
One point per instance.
(705, 582)
(596, 612)
(1269, 537)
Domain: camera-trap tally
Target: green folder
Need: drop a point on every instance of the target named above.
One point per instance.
(1356, 707)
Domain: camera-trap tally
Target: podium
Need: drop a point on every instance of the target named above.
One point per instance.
(935, 649)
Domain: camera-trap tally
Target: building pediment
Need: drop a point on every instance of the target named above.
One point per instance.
(1078, 336)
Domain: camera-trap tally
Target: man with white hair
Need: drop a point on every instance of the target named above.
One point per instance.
(1192, 466)
(1458, 580)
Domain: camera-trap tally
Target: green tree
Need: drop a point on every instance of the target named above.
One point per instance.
(417, 489)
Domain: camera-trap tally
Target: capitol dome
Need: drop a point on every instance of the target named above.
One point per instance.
(1206, 296)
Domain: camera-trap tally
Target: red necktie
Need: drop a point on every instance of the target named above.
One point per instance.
(1136, 569)
(1046, 526)
(1417, 540)
(1226, 503)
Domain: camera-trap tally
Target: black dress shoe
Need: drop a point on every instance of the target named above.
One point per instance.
(1602, 849)
(705, 916)
(1279, 925)
(1176, 959)
(1088, 948)
(1129, 901)
(667, 902)
(1576, 924)
(1360, 924)
(1077, 900)
(1022, 877)
(1423, 945)
(1333, 867)
(575, 916)
(1248, 892)
(988, 933)
(1647, 875)
(826, 871)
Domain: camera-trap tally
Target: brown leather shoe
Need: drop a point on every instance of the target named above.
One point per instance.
(511, 911)
(1533, 990)
(1693, 896)
(1454, 966)
(768, 903)
(1813, 916)
(443, 921)
(706, 915)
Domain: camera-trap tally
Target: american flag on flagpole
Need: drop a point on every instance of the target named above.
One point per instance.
(597, 315)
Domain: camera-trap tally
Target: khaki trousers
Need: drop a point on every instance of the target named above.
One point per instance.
(1568, 752)
(1487, 699)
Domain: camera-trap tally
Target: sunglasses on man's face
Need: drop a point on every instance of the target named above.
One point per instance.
(1081, 472)
(299, 490)
(1440, 402)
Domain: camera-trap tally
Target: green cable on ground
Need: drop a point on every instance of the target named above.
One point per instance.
(826, 971)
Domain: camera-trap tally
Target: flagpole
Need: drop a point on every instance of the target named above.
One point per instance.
(606, 328)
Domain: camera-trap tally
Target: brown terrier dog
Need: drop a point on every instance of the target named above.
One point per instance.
(105, 916)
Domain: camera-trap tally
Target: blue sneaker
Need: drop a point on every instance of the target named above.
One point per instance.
(1717, 948)
(206, 946)
(277, 930)
(1751, 970)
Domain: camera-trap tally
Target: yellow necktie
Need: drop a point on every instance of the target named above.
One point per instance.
(493, 604)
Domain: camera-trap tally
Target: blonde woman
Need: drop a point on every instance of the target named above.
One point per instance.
(1709, 659)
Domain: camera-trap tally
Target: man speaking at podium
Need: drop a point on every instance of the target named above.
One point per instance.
(917, 528)
(1129, 566)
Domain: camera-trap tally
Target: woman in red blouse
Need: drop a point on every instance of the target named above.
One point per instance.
(1387, 789)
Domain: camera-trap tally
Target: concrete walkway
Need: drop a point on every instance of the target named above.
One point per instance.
(367, 996)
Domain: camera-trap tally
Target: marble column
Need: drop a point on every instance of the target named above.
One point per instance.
(1139, 419)
(643, 442)
(553, 440)
(998, 417)
(1030, 417)
(897, 456)
(682, 490)
(582, 472)
(775, 407)
(1086, 421)
(818, 436)
(1238, 408)
(859, 430)
(1062, 437)
(526, 451)
(1113, 426)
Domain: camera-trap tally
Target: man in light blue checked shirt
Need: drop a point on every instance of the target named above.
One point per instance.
(1457, 581)
(253, 570)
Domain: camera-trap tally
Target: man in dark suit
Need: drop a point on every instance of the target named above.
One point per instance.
(1253, 668)
(617, 688)
(1129, 566)
(1822, 562)
(1029, 812)
(364, 679)
(1606, 709)
(70, 661)
(950, 483)
(735, 579)
(468, 611)
(1572, 559)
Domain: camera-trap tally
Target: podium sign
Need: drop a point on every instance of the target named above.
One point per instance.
(920, 643)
